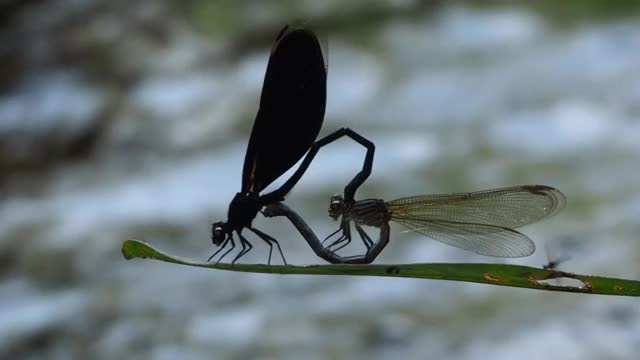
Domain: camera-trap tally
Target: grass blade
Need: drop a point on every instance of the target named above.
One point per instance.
(494, 274)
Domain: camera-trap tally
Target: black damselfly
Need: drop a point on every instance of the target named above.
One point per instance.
(289, 118)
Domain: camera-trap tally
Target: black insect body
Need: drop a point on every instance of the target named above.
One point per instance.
(554, 258)
(291, 113)
(289, 119)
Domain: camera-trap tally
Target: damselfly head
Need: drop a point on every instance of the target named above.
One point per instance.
(218, 233)
(336, 206)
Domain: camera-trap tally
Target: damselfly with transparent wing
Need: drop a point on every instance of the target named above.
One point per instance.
(482, 222)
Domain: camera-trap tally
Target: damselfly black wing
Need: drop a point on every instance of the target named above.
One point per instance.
(292, 107)
(482, 222)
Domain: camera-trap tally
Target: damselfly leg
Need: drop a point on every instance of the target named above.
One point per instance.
(246, 247)
(270, 241)
(228, 240)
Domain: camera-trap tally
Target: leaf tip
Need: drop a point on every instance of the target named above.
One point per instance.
(128, 249)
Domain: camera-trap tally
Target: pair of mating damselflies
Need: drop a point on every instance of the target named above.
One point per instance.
(290, 115)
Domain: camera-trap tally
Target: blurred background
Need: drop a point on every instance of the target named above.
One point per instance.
(130, 119)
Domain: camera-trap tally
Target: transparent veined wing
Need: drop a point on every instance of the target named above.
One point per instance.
(481, 239)
(481, 221)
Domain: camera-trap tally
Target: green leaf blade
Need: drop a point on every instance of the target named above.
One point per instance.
(494, 274)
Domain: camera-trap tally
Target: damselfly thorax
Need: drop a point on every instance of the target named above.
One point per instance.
(368, 212)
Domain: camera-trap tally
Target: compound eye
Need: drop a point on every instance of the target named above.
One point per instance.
(217, 231)
(335, 209)
(217, 235)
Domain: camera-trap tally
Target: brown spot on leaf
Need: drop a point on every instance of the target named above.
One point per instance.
(490, 278)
